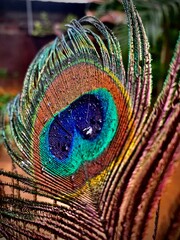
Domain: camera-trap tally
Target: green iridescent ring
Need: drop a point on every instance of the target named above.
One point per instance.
(78, 133)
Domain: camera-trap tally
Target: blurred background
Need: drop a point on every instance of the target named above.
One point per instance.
(27, 25)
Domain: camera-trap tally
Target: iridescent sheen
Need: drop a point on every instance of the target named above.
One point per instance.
(78, 133)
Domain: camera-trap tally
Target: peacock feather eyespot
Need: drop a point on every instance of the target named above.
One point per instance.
(82, 113)
(78, 133)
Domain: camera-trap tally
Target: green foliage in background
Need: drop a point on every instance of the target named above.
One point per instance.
(44, 27)
(3, 73)
(4, 99)
(161, 21)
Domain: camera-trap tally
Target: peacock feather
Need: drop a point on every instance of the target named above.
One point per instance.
(89, 158)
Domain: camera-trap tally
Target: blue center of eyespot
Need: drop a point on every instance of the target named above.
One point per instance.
(85, 115)
(60, 135)
(78, 133)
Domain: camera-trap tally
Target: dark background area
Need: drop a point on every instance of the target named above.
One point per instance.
(37, 6)
(17, 46)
